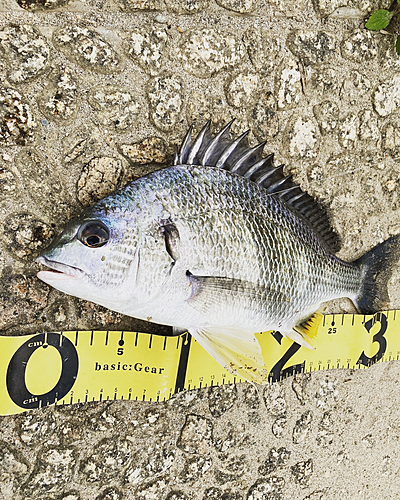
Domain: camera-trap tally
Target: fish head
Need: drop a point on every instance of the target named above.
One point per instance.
(90, 258)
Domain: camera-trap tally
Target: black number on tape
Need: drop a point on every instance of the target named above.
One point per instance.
(15, 379)
(378, 337)
(277, 371)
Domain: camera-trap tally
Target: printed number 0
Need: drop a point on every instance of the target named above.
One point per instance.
(378, 337)
(15, 379)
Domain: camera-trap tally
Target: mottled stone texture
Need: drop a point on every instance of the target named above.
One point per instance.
(17, 123)
(87, 48)
(148, 48)
(42, 4)
(26, 50)
(96, 93)
(60, 101)
(206, 52)
(165, 96)
(116, 107)
(100, 177)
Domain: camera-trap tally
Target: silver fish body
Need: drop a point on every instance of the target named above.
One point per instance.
(227, 228)
(207, 249)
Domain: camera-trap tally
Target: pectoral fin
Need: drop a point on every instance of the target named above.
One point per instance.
(236, 350)
(210, 293)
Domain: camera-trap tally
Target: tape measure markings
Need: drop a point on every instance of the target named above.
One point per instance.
(183, 362)
(203, 371)
(152, 368)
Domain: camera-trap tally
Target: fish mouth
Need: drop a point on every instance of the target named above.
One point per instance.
(58, 271)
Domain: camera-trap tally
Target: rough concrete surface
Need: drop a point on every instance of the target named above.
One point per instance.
(95, 93)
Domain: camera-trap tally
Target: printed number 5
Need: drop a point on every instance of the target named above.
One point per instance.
(378, 337)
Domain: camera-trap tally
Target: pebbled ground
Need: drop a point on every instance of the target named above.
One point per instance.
(96, 93)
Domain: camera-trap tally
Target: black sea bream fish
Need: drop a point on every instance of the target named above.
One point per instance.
(220, 244)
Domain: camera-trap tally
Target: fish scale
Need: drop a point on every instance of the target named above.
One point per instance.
(224, 250)
(268, 244)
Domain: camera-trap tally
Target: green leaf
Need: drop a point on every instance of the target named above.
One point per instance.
(398, 45)
(379, 20)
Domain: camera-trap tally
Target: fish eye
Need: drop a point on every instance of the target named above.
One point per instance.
(93, 234)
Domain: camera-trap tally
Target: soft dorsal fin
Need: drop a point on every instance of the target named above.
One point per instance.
(236, 156)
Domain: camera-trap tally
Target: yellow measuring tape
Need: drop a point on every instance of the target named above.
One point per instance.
(72, 367)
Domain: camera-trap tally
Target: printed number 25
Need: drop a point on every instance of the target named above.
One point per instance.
(278, 372)
(378, 337)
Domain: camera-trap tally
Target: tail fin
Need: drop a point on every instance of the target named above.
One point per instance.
(379, 264)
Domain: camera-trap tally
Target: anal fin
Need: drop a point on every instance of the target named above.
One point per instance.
(305, 330)
(237, 351)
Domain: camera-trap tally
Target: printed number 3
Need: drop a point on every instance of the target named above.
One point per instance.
(278, 372)
(378, 337)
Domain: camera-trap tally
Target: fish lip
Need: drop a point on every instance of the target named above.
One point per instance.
(64, 269)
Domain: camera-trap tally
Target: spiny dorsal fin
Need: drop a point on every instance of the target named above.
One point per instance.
(238, 157)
